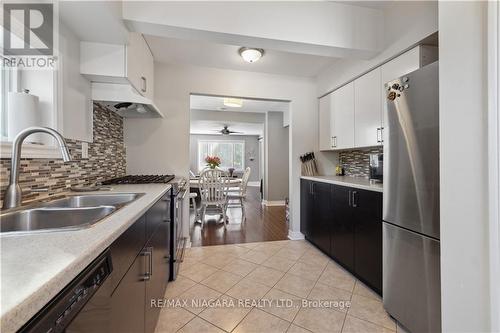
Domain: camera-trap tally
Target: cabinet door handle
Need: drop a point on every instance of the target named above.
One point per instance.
(332, 142)
(148, 253)
(378, 134)
(381, 135)
(349, 198)
(144, 84)
(335, 141)
(312, 188)
(354, 203)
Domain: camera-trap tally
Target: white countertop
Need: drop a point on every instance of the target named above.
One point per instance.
(356, 182)
(36, 267)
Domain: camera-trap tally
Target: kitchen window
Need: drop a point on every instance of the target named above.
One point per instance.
(41, 83)
(231, 153)
(4, 89)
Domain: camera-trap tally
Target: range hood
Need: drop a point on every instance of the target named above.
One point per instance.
(124, 100)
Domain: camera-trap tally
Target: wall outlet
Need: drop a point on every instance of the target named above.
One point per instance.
(85, 150)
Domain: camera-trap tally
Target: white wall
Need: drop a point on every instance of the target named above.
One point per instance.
(162, 145)
(405, 24)
(276, 152)
(465, 284)
(234, 116)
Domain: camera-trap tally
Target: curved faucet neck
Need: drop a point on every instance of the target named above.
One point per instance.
(13, 194)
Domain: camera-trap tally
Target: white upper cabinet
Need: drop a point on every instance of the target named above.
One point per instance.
(368, 110)
(112, 63)
(140, 65)
(354, 115)
(342, 117)
(325, 141)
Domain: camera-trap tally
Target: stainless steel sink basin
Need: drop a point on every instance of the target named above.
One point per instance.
(93, 200)
(47, 219)
(67, 213)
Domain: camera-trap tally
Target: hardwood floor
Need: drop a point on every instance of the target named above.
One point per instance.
(261, 224)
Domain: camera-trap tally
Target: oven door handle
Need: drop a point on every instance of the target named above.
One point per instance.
(182, 195)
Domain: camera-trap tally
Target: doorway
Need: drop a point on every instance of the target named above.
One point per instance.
(246, 135)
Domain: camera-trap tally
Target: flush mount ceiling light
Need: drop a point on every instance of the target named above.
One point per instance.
(251, 54)
(233, 102)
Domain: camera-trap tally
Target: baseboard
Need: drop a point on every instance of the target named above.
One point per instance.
(254, 184)
(273, 203)
(295, 235)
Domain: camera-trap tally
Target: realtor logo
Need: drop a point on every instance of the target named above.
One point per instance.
(28, 29)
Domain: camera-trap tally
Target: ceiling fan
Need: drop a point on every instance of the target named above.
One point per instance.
(226, 131)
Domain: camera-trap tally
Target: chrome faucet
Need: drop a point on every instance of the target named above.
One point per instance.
(13, 194)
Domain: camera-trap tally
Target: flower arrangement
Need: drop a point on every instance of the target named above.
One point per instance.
(212, 161)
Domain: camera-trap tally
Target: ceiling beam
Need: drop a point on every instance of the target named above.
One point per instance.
(315, 28)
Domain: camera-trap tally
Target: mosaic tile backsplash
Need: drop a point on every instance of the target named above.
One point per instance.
(356, 163)
(106, 160)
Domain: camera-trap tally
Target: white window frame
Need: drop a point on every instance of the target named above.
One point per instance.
(29, 150)
(201, 161)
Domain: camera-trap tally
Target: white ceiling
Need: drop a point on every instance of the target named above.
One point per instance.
(207, 54)
(106, 16)
(213, 126)
(215, 103)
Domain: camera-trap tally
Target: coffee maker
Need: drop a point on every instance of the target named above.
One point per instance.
(376, 167)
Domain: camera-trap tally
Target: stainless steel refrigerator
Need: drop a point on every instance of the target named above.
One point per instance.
(411, 259)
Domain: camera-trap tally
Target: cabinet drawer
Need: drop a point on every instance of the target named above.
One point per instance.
(126, 248)
(160, 212)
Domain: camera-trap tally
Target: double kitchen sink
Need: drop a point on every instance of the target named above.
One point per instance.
(67, 213)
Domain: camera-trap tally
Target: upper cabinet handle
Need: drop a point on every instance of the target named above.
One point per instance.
(379, 134)
(144, 84)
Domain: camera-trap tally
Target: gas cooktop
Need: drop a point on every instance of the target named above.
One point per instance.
(139, 179)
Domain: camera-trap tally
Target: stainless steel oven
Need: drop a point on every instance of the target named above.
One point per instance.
(180, 189)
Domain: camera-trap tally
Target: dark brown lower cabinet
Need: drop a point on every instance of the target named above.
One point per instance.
(316, 214)
(306, 209)
(321, 221)
(342, 227)
(351, 219)
(368, 237)
(140, 274)
(158, 274)
(127, 301)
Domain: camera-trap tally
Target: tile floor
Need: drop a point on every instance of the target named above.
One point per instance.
(268, 287)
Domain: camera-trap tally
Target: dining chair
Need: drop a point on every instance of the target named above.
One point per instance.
(213, 192)
(192, 199)
(236, 196)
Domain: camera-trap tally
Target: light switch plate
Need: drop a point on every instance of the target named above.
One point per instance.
(85, 150)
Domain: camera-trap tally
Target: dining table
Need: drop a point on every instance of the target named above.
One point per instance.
(232, 182)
